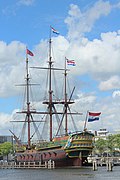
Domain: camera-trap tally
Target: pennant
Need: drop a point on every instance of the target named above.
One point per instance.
(93, 116)
(29, 52)
(54, 30)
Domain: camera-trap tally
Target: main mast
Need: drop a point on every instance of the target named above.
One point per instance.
(50, 86)
(28, 100)
(50, 103)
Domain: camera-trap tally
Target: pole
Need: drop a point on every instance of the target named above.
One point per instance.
(66, 125)
(86, 120)
(50, 85)
(28, 100)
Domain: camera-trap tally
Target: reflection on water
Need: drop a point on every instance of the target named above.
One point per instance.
(60, 174)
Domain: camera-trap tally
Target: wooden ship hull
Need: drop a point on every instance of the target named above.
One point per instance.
(65, 151)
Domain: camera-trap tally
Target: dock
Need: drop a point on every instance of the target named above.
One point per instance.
(103, 160)
(109, 162)
(28, 165)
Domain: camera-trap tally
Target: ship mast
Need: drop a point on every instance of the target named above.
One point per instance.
(28, 114)
(50, 103)
(50, 86)
(65, 74)
(28, 111)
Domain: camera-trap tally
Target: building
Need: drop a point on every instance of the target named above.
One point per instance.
(102, 133)
(6, 139)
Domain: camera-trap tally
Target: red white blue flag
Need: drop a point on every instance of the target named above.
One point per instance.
(54, 31)
(29, 52)
(70, 62)
(93, 116)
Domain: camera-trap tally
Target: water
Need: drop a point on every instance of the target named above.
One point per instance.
(60, 174)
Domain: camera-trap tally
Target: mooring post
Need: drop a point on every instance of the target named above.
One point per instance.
(53, 164)
(39, 163)
(109, 165)
(45, 164)
(19, 164)
(49, 164)
(95, 165)
(15, 164)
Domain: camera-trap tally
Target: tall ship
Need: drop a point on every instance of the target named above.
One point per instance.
(63, 147)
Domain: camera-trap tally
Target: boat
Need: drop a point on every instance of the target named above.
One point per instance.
(67, 149)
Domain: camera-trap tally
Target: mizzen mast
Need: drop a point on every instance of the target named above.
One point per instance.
(65, 89)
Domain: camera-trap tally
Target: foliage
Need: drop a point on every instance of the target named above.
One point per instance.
(111, 143)
(100, 145)
(6, 148)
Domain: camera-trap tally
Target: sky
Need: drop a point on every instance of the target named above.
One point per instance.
(89, 34)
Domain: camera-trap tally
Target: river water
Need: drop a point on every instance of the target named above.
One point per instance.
(60, 174)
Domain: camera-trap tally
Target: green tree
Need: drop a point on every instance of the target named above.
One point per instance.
(110, 142)
(113, 142)
(100, 145)
(6, 148)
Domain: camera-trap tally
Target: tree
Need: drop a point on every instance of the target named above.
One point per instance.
(113, 142)
(6, 148)
(110, 142)
(100, 145)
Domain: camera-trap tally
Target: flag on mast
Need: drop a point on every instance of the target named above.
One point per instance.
(93, 116)
(70, 62)
(54, 30)
(29, 52)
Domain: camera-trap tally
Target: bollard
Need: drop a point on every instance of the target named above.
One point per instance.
(95, 165)
(49, 164)
(39, 163)
(53, 164)
(19, 164)
(109, 165)
(45, 164)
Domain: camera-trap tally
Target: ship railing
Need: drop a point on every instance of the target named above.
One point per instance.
(28, 165)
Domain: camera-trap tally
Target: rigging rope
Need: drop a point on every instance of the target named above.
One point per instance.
(36, 130)
(23, 130)
(45, 127)
(45, 95)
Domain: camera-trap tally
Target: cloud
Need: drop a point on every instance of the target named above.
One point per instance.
(13, 8)
(5, 123)
(79, 23)
(112, 83)
(26, 2)
(11, 66)
(98, 58)
(94, 57)
(116, 94)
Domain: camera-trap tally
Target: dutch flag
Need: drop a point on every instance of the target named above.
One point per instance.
(93, 116)
(54, 30)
